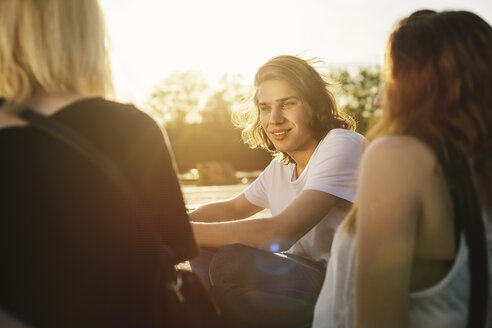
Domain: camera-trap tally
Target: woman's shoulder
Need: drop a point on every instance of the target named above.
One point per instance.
(400, 153)
(396, 145)
(7, 121)
(110, 115)
(104, 107)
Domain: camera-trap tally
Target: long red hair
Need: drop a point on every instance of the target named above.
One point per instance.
(438, 87)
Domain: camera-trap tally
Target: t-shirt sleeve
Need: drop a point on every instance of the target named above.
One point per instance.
(334, 170)
(257, 192)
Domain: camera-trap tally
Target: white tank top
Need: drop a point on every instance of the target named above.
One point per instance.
(443, 305)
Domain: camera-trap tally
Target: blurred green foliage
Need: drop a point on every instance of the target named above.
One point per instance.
(355, 92)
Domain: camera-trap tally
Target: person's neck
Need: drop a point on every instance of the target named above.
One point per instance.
(301, 158)
(49, 103)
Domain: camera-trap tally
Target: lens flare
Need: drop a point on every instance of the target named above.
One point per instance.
(274, 248)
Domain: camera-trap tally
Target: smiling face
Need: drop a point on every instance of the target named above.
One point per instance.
(284, 118)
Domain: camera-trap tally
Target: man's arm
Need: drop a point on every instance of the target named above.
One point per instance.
(229, 210)
(284, 229)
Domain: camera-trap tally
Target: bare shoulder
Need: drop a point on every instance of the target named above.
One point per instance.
(7, 120)
(401, 163)
(403, 152)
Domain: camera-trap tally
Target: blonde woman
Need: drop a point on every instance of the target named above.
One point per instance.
(70, 247)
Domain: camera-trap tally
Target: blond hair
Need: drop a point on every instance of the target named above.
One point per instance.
(53, 46)
(313, 89)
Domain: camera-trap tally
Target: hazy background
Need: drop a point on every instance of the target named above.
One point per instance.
(190, 64)
(152, 38)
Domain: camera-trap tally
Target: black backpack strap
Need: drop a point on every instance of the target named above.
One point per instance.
(468, 218)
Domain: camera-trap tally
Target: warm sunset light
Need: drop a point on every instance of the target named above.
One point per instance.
(151, 39)
(189, 63)
(245, 163)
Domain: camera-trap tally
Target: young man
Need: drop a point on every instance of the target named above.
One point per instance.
(309, 187)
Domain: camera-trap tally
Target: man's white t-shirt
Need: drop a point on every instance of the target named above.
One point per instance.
(332, 168)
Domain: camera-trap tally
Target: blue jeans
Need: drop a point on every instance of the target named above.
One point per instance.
(255, 288)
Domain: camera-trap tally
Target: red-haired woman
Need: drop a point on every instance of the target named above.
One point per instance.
(402, 257)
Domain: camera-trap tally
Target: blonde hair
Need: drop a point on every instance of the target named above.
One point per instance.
(313, 89)
(53, 46)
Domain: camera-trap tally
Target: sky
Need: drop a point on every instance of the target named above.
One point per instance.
(150, 39)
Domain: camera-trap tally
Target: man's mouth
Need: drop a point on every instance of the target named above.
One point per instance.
(279, 132)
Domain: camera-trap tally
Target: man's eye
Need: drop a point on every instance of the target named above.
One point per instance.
(264, 108)
(288, 104)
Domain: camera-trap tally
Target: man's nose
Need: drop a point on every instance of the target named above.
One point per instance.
(276, 115)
